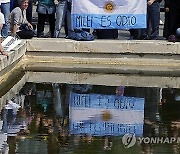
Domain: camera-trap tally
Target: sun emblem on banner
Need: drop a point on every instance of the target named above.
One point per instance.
(109, 6)
(106, 115)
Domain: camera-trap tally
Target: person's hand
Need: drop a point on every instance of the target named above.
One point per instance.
(5, 53)
(30, 26)
(166, 9)
(150, 2)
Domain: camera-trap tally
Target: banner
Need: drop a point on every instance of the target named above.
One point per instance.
(10, 43)
(109, 14)
(101, 115)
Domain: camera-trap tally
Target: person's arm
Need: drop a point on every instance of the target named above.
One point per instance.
(15, 28)
(30, 26)
(1, 48)
(2, 51)
(27, 22)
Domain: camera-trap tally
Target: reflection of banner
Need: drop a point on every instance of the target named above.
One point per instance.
(101, 115)
(109, 14)
(10, 42)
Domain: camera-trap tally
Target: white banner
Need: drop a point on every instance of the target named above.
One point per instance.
(10, 43)
(109, 14)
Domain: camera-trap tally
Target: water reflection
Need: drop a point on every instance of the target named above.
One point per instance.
(60, 118)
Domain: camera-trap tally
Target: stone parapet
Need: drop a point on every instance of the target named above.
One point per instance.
(103, 62)
(14, 56)
(152, 58)
(104, 46)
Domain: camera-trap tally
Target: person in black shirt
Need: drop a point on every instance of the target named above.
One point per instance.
(172, 16)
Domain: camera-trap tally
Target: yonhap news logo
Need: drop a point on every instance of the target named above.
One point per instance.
(129, 140)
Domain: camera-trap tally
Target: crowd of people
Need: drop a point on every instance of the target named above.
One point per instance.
(16, 19)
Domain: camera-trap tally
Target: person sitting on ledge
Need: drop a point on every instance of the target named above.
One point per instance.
(18, 21)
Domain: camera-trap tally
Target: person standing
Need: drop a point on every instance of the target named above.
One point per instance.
(172, 22)
(46, 9)
(153, 18)
(1, 25)
(5, 9)
(166, 20)
(61, 12)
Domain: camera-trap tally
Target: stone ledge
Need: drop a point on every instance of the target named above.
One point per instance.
(104, 79)
(104, 46)
(120, 65)
(14, 56)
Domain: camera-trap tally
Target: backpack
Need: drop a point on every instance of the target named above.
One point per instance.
(172, 38)
(80, 35)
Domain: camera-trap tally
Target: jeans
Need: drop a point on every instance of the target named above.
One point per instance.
(61, 11)
(153, 17)
(64, 11)
(69, 22)
(5, 9)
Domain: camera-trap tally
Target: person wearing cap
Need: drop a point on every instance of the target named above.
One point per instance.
(18, 20)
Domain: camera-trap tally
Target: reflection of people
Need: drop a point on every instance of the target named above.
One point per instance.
(147, 148)
(175, 126)
(107, 143)
(18, 19)
(120, 90)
